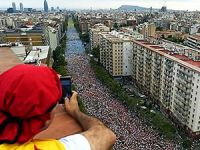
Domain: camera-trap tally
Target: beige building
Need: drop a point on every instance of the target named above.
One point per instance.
(94, 34)
(34, 38)
(147, 29)
(172, 79)
(115, 53)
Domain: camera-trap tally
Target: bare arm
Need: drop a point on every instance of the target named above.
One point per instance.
(99, 136)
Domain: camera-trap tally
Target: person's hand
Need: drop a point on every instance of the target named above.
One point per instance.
(72, 104)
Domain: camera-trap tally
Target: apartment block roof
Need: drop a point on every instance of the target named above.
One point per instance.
(196, 37)
(7, 59)
(180, 58)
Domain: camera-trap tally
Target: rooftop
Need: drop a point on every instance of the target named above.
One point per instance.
(171, 53)
(7, 59)
(196, 37)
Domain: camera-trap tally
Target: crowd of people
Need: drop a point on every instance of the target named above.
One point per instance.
(132, 133)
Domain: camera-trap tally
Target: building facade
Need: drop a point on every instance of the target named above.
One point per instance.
(94, 34)
(171, 79)
(147, 29)
(115, 53)
(193, 41)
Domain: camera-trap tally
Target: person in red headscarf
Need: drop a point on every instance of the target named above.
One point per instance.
(28, 95)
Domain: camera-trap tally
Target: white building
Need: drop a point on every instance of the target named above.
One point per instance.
(172, 79)
(194, 28)
(134, 34)
(193, 41)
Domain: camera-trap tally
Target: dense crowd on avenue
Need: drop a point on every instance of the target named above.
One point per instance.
(132, 133)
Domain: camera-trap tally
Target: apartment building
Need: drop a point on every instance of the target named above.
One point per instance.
(193, 41)
(172, 79)
(135, 34)
(115, 53)
(26, 38)
(94, 34)
(147, 29)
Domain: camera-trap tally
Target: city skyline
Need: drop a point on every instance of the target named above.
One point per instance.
(100, 4)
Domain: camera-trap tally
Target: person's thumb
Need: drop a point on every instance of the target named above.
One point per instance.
(66, 101)
(74, 95)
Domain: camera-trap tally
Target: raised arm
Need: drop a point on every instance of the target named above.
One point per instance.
(98, 135)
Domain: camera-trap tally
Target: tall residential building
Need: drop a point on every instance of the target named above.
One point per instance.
(14, 6)
(21, 7)
(94, 34)
(46, 9)
(116, 53)
(193, 41)
(171, 77)
(147, 29)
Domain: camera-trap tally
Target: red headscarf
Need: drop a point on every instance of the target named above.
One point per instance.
(27, 95)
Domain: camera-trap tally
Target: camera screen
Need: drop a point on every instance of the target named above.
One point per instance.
(66, 87)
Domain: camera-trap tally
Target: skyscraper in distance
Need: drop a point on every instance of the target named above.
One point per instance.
(45, 6)
(14, 6)
(21, 7)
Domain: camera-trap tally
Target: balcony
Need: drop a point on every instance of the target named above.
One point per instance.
(182, 101)
(184, 83)
(186, 89)
(185, 73)
(182, 108)
(168, 68)
(169, 63)
(168, 73)
(185, 78)
(168, 79)
(181, 117)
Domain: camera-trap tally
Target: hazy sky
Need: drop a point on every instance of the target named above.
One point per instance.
(95, 4)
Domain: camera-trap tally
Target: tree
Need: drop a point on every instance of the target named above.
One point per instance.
(187, 144)
(115, 26)
(85, 37)
(159, 29)
(96, 52)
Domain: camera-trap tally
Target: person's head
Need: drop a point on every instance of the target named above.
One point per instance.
(27, 95)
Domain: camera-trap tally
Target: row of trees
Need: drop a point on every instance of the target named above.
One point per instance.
(154, 119)
(83, 36)
(59, 58)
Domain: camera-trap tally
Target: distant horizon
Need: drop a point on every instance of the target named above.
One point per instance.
(191, 5)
